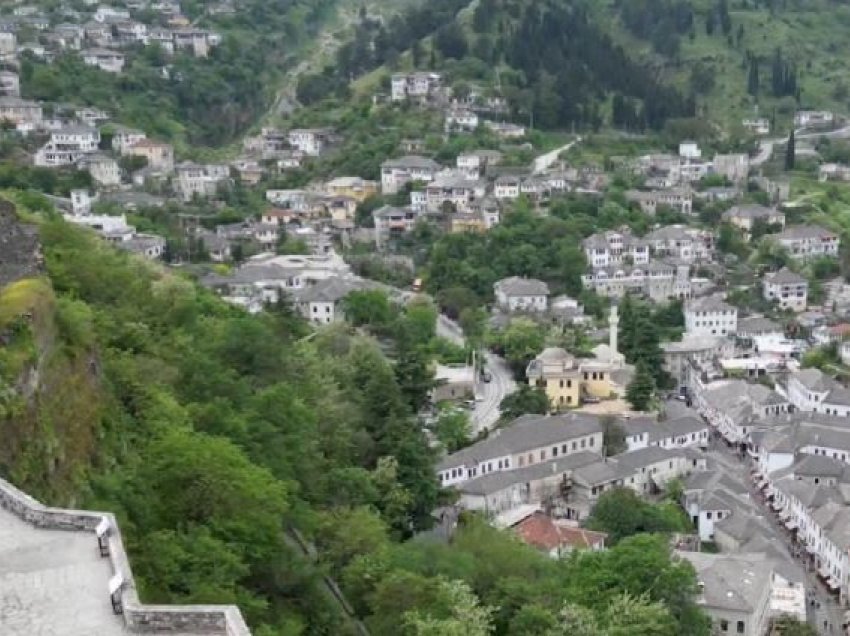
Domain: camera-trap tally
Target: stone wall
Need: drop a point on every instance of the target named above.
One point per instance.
(209, 620)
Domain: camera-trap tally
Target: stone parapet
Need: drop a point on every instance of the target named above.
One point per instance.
(207, 620)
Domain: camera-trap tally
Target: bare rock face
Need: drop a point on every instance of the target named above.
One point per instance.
(20, 250)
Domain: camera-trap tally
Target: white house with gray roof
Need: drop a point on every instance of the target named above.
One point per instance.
(734, 407)
(811, 390)
(710, 316)
(742, 592)
(395, 173)
(787, 289)
(529, 440)
(805, 242)
(614, 248)
(519, 294)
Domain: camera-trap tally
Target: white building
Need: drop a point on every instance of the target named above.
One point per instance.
(710, 316)
(812, 391)
(614, 248)
(805, 242)
(418, 86)
(517, 294)
(689, 150)
(392, 222)
(104, 59)
(104, 170)
(310, 141)
(813, 118)
(10, 85)
(461, 119)
(200, 180)
(396, 173)
(679, 199)
(68, 145)
(758, 125)
(789, 290)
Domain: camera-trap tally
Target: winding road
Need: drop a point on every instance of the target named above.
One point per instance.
(766, 145)
(489, 395)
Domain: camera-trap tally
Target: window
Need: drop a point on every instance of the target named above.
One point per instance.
(583, 442)
(740, 627)
(554, 451)
(708, 515)
(724, 625)
(563, 449)
(590, 442)
(575, 445)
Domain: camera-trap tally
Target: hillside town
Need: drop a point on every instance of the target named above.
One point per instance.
(689, 350)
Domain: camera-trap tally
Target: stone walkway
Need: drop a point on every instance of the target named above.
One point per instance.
(53, 583)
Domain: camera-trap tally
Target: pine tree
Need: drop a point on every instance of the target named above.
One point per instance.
(790, 152)
(641, 388)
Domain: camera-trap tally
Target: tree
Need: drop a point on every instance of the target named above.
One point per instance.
(453, 428)
(467, 617)
(790, 152)
(790, 626)
(370, 307)
(638, 616)
(521, 341)
(641, 389)
(524, 400)
(613, 436)
(623, 513)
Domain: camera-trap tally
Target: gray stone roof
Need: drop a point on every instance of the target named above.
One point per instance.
(601, 472)
(525, 433)
(732, 582)
(796, 232)
(814, 380)
(785, 277)
(756, 325)
(711, 304)
(644, 457)
(516, 286)
(749, 211)
(330, 290)
(496, 481)
(411, 161)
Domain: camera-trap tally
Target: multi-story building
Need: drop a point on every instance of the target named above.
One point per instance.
(529, 440)
(681, 243)
(517, 294)
(746, 216)
(67, 146)
(354, 187)
(452, 188)
(200, 180)
(789, 290)
(104, 170)
(461, 119)
(104, 59)
(658, 280)
(395, 173)
(566, 380)
(10, 84)
(418, 86)
(391, 221)
(710, 316)
(812, 391)
(805, 242)
(735, 168)
(20, 111)
(679, 199)
(159, 155)
(310, 141)
(613, 248)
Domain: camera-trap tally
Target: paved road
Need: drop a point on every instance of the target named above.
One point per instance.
(766, 145)
(543, 162)
(825, 608)
(491, 394)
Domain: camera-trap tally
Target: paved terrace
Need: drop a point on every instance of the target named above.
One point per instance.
(53, 582)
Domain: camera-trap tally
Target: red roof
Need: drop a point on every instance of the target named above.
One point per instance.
(544, 533)
(840, 330)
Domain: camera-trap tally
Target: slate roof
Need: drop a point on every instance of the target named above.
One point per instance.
(516, 286)
(525, 433)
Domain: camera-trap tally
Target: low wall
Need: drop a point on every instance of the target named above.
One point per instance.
(209, 620)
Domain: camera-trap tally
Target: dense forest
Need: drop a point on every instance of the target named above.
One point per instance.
(212, 433)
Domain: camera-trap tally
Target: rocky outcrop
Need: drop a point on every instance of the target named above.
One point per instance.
(20, 250)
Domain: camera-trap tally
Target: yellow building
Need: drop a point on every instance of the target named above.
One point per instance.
(353, 187)
(468, 223)
(566, 380)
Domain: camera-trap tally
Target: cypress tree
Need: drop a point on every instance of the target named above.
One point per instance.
(640, 389)
(790, 152)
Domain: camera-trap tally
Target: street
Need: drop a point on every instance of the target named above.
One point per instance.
(488, 394)
(825, 607)
(766, 145)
